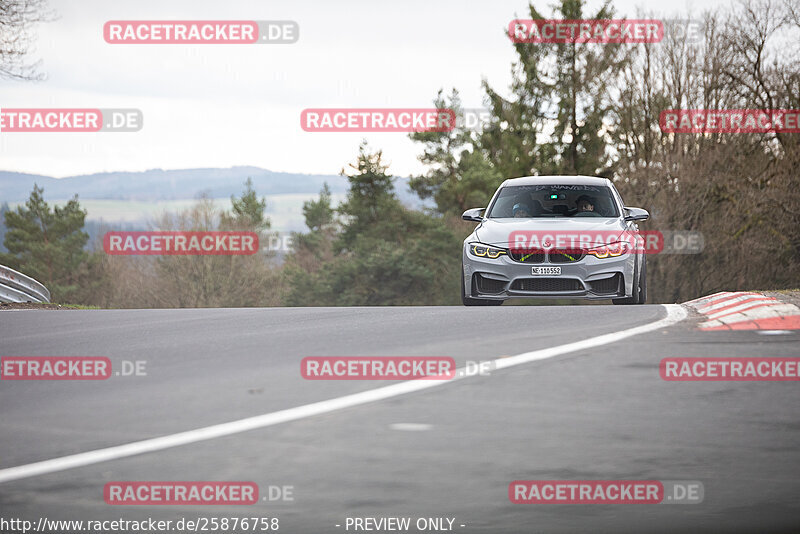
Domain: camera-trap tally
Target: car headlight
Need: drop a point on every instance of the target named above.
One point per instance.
(485, 251)
(612, 250)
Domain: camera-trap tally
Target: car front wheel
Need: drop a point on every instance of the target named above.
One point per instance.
(469, 301)
(639, 295)
(643, 282)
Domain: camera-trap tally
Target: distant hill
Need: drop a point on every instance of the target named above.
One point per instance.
(128, 200)
(158, 184)
(180, 184)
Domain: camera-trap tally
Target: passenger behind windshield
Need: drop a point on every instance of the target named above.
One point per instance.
(585, 203)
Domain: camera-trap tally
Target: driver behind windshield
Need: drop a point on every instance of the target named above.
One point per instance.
(585, 203)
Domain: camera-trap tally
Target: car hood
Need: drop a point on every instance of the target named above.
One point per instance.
(497, 231)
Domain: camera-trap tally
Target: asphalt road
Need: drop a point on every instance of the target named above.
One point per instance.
(599, 413)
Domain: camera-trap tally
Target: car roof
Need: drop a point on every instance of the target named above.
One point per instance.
(558, 180)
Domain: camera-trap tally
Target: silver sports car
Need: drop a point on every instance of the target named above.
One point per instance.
(554, 237)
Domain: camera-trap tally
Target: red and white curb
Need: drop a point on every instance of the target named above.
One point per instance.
(745, 311)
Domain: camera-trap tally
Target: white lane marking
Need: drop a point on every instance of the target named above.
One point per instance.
(675, 314)
(411, 427)
(773, 332)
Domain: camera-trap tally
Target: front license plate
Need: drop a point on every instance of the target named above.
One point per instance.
(549, 271)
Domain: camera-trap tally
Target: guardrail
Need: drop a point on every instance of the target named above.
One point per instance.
(17, 287)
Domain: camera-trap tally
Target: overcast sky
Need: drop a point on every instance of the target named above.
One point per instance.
(227, 105)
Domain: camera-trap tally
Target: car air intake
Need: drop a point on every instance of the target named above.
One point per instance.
(547, 284)
(607, 286)
(489, 285)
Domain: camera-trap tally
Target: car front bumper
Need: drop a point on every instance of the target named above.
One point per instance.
(590, 278)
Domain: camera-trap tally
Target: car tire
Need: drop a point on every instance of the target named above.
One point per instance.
(469, 301)
(643, 282)
(637, 283)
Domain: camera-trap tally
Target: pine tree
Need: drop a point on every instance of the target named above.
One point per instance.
(371, 200)
(319, 213)
(564, 88)
(47, 244)
(380, 254)
(247, 211)
(459, 176)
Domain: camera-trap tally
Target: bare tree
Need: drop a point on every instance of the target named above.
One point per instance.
(17, 21)
(190, 281)
(739, 189)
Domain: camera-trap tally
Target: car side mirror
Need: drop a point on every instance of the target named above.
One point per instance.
(636, 214)
(474, 214)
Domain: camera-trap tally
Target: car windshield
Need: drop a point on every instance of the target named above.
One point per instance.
(545, 201)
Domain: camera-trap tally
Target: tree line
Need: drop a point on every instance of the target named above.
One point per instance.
(571, 108)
